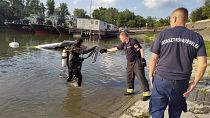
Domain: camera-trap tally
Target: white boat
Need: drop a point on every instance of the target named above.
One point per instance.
(60, 45)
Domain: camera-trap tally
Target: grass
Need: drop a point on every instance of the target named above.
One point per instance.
(207, 44)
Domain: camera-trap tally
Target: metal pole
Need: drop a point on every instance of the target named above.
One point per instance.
(90, 8)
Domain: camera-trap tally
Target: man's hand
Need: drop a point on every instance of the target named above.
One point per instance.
(151, 78)
(143, 62)
(190, 89)
(103, 51)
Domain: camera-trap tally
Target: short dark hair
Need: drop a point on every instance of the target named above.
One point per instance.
(184, 11)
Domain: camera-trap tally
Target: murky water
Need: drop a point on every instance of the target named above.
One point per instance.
(30, 86)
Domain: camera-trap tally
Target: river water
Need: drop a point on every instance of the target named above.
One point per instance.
(30, 86)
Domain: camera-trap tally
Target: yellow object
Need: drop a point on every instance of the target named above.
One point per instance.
(130, 90)
(146, 93)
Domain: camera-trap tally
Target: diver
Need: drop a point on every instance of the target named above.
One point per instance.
(75, 60)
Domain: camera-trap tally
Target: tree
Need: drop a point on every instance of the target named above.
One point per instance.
(50, 7)
(150, 21)
(35, 7)
(111, 15)
(206, 9)
(5, 11)
(80, 13)
(42, 9)
(163, 22)
(202, 12)
(196, 15)
(17, 8)
(124, 18)
(99, 13)
(64, 10)
(140, 21)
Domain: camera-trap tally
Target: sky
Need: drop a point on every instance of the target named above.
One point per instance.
(145, 8)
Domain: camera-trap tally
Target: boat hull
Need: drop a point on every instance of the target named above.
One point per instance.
(64, 30)
(44, 29)
(20, 28)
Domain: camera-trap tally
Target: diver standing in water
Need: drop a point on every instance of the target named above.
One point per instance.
(74, 60)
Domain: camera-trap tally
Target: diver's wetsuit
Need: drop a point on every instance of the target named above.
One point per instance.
(75, 64)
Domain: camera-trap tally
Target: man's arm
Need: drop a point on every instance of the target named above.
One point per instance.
(142, 52)
(108, 50)
(152, 64)
(202, 64)
(112, 49)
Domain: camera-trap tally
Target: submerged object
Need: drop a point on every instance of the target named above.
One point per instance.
(14, 44)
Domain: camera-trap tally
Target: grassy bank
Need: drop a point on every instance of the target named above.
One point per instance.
(207, 44)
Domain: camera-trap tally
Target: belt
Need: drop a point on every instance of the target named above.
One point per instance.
(159, 76)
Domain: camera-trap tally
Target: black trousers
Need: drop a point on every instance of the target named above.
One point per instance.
(74, 69)
(133, 69)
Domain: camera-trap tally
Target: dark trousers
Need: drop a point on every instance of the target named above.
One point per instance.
(135, 69)
(169, 93)
(74, 69)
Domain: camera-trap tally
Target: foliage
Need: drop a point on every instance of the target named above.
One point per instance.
(196, 15)
(140, 21)
(163, 22)
(201, 13)
(16, 7)
(80, 13)
(207, 44)
(150, 21)
(5, 11)
(50, 7)
(62, 10)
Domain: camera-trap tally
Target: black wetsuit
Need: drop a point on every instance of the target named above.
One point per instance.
(75, 64)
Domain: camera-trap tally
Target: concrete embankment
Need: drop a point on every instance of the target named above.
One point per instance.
(198, 105)
(202, 27)
(198, 102)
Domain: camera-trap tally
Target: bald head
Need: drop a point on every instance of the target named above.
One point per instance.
(124, 37)
(124, 34)
(179, 17)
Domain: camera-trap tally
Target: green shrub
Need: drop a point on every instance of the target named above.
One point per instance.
(207, 44)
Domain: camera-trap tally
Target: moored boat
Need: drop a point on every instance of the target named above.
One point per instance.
(64, 30)
(20, 28)
(44, 29)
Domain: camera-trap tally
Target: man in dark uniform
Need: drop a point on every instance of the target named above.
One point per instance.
(75, 60)
(135, 63)
(170, 66)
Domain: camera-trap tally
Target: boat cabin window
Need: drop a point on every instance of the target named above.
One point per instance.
(92, 22)
(96, 22)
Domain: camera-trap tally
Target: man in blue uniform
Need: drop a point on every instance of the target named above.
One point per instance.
(170, 66)
(135, 63)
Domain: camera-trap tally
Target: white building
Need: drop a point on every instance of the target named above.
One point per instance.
(91, 24)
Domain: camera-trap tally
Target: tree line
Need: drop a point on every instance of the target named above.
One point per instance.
(201, 13)
(19, 9)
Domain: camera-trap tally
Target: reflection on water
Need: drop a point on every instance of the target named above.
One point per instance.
(30, 85)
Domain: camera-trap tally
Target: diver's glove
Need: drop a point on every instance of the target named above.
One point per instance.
(103, 51)
(82, 59)
(143, 62)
